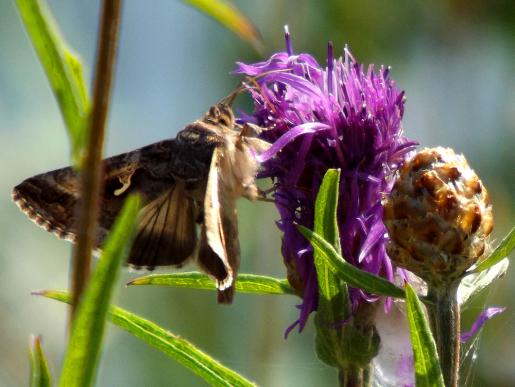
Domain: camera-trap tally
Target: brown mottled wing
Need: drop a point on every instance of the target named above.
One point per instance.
(157, 172)
(219, 251)
(49, 199)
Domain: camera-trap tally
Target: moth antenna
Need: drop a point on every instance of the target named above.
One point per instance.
(229, 99)
(254, 81)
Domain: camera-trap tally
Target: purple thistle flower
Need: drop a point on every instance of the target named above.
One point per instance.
(343, 116)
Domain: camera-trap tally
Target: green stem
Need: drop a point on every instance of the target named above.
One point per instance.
(359, 345)
(368, 373)
(91, 174)
(444, 313)
(351, 376)
(355, 376)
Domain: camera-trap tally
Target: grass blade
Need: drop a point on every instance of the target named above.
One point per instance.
(62, 68)
(230, 17)
(246, 283)
(177, 348)
(503, 250)
(348, 273)
(427, 364)
(40, 374)
(88, 327)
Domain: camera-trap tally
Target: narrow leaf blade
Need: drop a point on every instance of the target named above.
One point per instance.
(333, 302)
(350, 274)
(62, 68)
(503, 250)
(246, 283)
(326, 225)
(174, 346)
(88, 327)
(40, 374)
(427, 364)
(326, 205)
(230, 17)
(181, 350)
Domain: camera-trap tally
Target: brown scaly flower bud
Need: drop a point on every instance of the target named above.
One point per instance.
(438, 216)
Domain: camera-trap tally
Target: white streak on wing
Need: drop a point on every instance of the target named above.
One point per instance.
(213, 218)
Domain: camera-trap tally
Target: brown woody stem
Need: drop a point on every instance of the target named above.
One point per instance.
(444, 313)
(91, 166)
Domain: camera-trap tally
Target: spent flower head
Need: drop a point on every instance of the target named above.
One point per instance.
(342, 116)
(439, 216)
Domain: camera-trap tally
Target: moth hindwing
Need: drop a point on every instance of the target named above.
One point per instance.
(191, 180)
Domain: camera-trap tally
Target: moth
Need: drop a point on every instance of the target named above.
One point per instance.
(188, 182)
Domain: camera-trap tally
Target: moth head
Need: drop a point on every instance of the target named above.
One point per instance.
(220, 114)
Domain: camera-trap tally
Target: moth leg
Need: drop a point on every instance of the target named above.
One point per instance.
(265, 192)
(265, 200)
(262, 195)
(251, 130)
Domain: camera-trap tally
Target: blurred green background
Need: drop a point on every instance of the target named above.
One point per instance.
(455, 59)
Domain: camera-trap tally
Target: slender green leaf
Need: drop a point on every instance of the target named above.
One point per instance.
(503, 250)
(77, 73)
(181, 350)
(177, 348)
(326, 205)
(333, 303)
(326, 225)
(62, 68)
(230, 17)
(350, 274)
(88, 327)
(40, 374)
(427, 364)
(246, 283)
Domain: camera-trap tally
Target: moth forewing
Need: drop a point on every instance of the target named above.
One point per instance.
(212, 209)
(36, 197)
(220, 227)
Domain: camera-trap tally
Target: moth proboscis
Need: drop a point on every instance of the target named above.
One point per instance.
(193, 179)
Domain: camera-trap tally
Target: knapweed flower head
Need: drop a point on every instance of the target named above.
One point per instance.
(438, 215)
(342, 116)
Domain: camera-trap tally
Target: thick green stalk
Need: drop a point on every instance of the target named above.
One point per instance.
(444, 314)
(352, 376)
(359, 345)
(355, 376)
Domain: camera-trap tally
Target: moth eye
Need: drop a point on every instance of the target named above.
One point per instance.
(226, 116)
(224, 120)
(214, 112)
